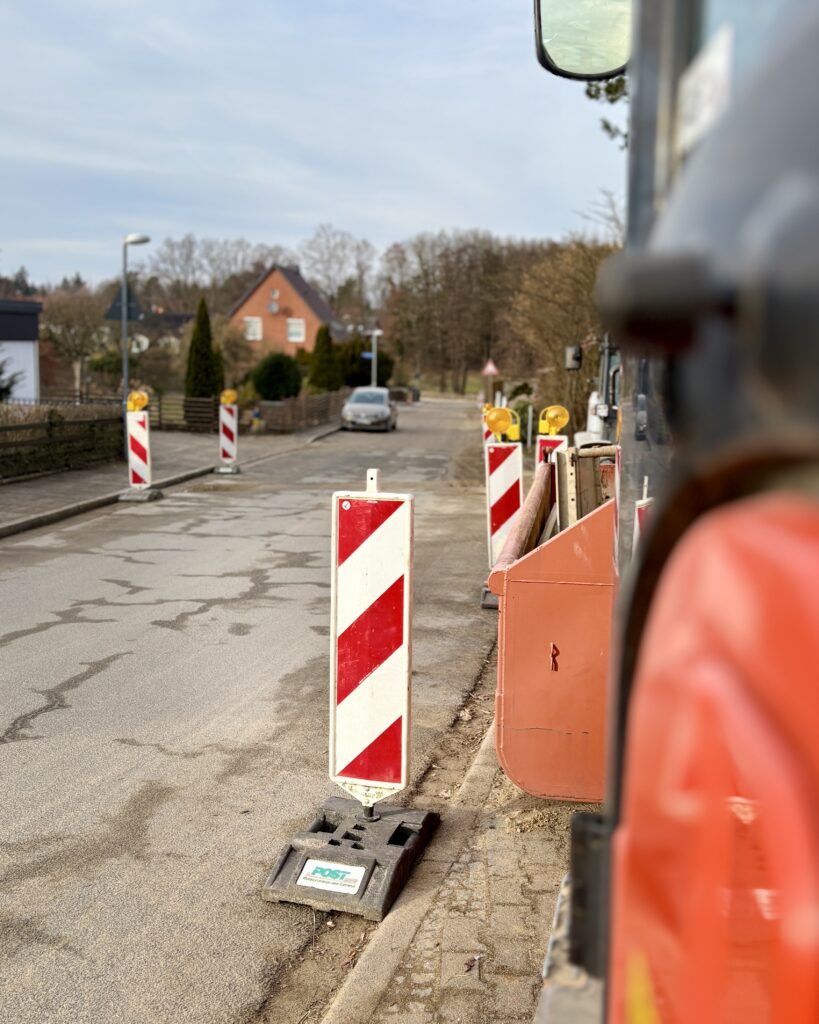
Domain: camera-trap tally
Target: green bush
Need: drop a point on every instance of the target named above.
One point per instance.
(523, 388)
(277, 376)
(522, 409)
(304, 359)
(202, 377)
(325, 373)
(356, 371)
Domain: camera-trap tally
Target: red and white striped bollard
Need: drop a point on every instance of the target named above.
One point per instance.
(504, 492)
(371, 649)
(138, 431)
(228, 433)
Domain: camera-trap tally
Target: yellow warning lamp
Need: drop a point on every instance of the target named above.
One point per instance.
(228, 396)
(499, 420)
(137, 400)
(552, 419)
(513, 433)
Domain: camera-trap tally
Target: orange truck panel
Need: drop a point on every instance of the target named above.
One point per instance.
(716, 858)
(554, 630)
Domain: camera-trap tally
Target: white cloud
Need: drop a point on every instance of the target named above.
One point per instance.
(264, 118)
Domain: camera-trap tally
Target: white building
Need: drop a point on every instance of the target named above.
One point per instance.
(19, 345)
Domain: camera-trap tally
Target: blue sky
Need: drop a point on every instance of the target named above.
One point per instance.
(264, 118)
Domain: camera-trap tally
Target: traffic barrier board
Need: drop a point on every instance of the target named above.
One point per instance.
(504, 492)
(139, 449)
(487, 433)
(545, 444)
(371, 615)
(228, 432)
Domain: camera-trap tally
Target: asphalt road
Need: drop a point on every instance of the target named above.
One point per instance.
(163, 723)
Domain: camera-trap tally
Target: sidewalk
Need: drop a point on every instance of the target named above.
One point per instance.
(176, 456)
(467, 938)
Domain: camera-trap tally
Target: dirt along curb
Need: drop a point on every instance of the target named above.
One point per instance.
(360, 995)
(56, 515)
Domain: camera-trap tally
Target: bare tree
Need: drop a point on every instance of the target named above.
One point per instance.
(182, 270)
(554, 308)
(72, 322)
(327, 259)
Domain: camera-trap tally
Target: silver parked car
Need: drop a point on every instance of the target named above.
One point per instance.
(369, 409)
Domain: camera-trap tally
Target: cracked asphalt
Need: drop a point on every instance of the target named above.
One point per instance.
(163, 719)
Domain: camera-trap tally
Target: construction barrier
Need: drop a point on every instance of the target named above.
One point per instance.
(641, 513)
(228, 432)
(545, 444)
(353, 858)
(139, 449)
(138, 442)
(503, 463)
(487, 433)
(550, 422)
(371, 616)
(555, 594)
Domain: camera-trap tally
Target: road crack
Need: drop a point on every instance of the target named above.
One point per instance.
(55, 698)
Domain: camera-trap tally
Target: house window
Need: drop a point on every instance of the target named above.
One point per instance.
(296, 331)
(253, 328)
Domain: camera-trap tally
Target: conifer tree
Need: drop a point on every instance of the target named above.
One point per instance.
(8, 381)
(219, 365)
(325, 371)
(201, 376)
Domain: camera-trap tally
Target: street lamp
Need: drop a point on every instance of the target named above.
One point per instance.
(375, 334)
(128, 240)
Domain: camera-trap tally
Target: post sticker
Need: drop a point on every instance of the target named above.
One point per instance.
(331, 876)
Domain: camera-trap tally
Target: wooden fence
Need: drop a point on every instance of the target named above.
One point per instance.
(305, 411)
(55, 443)
(175, 412)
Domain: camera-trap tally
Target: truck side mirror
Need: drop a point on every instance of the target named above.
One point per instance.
(590, 41)
(573, 357)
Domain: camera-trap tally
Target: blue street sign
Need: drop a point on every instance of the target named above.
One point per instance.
(366, 355)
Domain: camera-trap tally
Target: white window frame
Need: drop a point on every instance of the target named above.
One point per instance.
(296, 326)
(253, 328)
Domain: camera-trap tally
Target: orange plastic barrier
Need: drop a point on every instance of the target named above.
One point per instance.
(716, 859)
(555, 606)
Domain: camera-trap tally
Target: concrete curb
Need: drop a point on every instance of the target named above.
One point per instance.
(359, 996)
(56, 515)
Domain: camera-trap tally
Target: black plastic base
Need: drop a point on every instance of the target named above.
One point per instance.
(488, 599)
(350, 863)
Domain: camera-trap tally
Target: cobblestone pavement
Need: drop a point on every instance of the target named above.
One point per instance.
(477, 955)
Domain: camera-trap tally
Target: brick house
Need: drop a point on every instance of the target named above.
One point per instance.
(281, 312)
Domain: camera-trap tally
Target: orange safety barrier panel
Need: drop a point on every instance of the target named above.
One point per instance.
(555, 607)
(716, 858)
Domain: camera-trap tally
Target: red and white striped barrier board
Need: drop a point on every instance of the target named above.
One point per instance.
(370, 655)
(139, 449)
(228, 433)
(642, 509)
(548, 443)
(487, 433)
(504, 492)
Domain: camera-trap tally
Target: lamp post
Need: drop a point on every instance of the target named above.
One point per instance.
(128, 240)
(375, 334)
